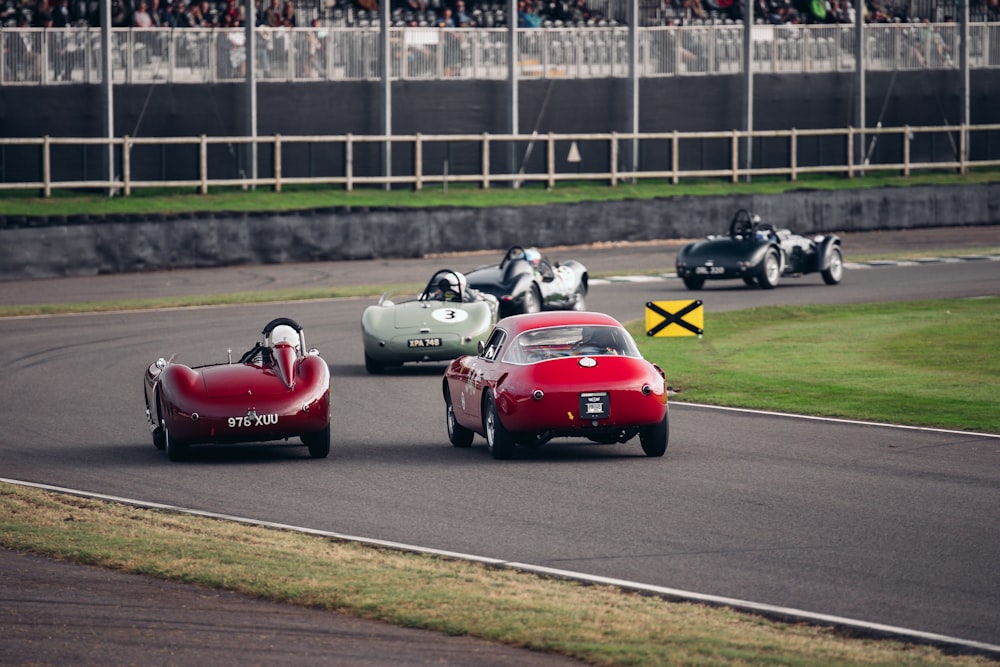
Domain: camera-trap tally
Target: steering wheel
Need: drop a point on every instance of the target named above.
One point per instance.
(742, 224)
(514, 252)
(440, 280)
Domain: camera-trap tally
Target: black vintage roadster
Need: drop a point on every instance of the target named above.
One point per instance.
(759, 254)
(526, 281)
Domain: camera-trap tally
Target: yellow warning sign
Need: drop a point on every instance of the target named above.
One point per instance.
(675, 318)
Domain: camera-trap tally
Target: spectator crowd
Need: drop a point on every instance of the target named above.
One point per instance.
(456, 13)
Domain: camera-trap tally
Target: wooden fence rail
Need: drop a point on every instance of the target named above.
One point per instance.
(905, 150)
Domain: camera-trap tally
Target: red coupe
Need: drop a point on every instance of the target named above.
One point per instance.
(277, 390)
(556, 374)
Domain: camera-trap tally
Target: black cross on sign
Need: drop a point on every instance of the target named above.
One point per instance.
(687, 308)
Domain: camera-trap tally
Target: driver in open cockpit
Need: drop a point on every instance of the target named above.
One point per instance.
(260, 353)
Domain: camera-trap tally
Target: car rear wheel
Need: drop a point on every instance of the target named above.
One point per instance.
(532, 301)
(499, 440)
(318, 443)
(159, 440)
(176, 450)
(694, 282)
(458, 435)
(834, 271)
(770, 271)
(372, 366)
(654, 437)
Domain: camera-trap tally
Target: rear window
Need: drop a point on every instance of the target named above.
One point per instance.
(556, 342)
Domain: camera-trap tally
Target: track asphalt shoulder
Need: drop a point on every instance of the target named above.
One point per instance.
(58, 613)
(651, 257)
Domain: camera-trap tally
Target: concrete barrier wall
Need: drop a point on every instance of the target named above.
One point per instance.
(43, 248)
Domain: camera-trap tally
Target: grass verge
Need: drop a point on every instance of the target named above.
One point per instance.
(165, 201)
(926, 363)
(601, 625)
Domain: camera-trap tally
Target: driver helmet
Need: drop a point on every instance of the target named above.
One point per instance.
(453, 286)
(532, 255)
(597, 339)
(284, 334)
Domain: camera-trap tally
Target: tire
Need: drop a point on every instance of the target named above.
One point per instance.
(694, 283)
(532, 301)
(458, 435)
(579, 300)
(159, 432)
(159, 438)
(318, 443)
(373, 367)
(499, 440)
(176, 450)
(654, 438)
(834, 272)
(770, 271)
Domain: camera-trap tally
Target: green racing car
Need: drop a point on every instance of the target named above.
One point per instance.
(446, 320)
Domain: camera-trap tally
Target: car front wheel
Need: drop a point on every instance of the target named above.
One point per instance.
(458, 435)
(499, 440)
(159, 432)
(770, 271)
(654, 437)
(834, 271)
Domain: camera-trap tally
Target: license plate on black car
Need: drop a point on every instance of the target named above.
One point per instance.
(423, 342)
(594, 405)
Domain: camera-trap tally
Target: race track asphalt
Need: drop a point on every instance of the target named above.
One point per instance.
(53, 612)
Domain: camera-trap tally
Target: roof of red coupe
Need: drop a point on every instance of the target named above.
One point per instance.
(516, 324)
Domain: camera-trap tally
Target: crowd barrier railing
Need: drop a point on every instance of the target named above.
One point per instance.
(35, 56)
(488, 160)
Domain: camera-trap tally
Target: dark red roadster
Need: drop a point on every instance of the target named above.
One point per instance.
(277, 390)
(556, 374)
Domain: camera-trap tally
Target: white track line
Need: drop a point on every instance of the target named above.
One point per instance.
(872, 264)
(837, 420)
